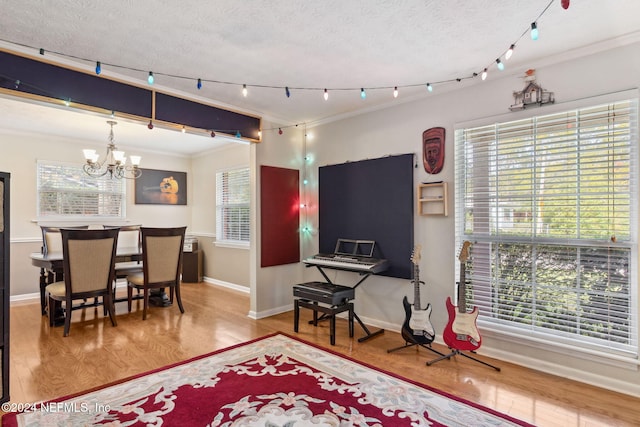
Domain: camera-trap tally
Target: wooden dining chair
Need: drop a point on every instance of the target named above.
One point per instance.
(88, 265)
(161, 265)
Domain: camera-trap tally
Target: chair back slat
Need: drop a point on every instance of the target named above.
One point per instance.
(90, 264)
(89, 257)
(163, 257)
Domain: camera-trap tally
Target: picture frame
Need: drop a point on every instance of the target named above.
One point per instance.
(161, 187)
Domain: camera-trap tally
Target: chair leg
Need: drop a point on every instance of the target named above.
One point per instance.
(107, 301)
(178, 297)
(67, 319)
(129, 296)
(146, 303)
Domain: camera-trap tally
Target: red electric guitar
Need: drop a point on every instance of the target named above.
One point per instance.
(461, 332)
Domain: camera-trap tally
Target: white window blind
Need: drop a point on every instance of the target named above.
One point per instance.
(233, 198)
(66, 191)
(549, 204)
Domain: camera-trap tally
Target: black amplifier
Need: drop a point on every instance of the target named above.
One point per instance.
(327, 293)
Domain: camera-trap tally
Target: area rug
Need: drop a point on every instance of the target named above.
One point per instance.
(276, 380)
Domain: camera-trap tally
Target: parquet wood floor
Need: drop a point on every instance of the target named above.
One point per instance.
(45, 365)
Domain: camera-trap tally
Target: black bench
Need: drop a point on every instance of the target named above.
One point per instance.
(327, 298)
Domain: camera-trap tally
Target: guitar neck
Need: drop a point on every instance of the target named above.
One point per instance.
(462, 289)
(416, 287)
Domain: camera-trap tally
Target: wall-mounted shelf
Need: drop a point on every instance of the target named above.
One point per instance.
(432, 199)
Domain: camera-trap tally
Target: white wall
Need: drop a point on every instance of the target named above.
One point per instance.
(223, 265)
(398, 130)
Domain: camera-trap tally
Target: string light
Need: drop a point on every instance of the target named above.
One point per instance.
(534, 31)
(150, 125)
(279, 131)
(238, 134)
(509, 52)
(213, 134)
(184, 129)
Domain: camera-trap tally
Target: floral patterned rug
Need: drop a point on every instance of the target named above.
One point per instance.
(273, 381)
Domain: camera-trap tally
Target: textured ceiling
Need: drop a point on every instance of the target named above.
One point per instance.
(311, 45)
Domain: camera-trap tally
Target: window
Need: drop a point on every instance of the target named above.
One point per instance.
(233, 197)
(549, 204)
(66, 191)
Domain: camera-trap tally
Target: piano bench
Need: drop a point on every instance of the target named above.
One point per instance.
(329, 312)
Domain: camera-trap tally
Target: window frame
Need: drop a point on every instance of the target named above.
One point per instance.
(86, 185)
(243, 226)
(624, 356)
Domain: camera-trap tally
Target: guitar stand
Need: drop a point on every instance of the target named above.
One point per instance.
(413, 344)
(458, 352)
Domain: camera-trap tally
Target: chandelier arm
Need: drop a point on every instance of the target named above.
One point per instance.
(113, 163)
(94, 170)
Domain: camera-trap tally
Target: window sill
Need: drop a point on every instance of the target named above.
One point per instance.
(230, 244)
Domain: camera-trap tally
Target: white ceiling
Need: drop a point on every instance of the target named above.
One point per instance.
(305, 45)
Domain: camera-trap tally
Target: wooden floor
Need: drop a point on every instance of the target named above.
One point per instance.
(44, 365)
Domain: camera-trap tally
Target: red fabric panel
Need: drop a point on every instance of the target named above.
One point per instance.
(280, 216)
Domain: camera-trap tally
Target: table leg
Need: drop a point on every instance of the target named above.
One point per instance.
(43, 284)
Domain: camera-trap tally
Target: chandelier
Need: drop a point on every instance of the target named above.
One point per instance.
(114, 163)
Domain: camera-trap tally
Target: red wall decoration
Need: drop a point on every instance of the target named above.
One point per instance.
(280, 216)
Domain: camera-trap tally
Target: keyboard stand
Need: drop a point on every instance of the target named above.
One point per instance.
(368, 333)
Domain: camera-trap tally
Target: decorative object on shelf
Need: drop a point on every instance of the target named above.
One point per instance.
(433, 149)
(114, 163)
(532, 94)
(160, 187)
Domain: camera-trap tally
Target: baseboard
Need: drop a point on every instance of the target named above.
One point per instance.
(267, 313)
(228, 285)
(25, 298)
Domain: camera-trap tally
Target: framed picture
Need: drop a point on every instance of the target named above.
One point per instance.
(160, 187)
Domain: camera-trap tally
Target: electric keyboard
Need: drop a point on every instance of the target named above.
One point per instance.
(348, 263)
